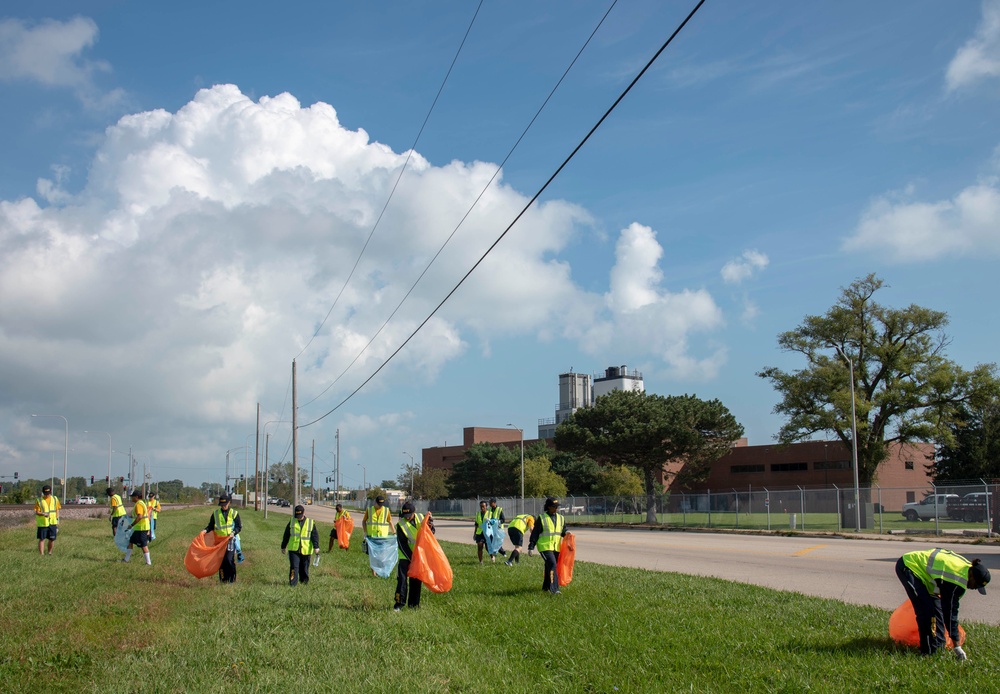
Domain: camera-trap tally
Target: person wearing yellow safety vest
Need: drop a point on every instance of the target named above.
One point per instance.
(518, 527)
(154, 513)
(477, 532)
(377, 522)
(341, 513)
(408, 589)
(117, 510)
(935, 580)
(302, 541)
(47, 519)
(546, 537)
(225, 522)
(139, 527)
(496, 512)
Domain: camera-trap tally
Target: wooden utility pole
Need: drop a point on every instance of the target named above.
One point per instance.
(295, 440)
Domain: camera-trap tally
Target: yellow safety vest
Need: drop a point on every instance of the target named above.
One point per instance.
(494, 512)
(117, 509)
(154, 508)
(340, 514)
(141, 515)
(300, 535)
(410, 530)
(550, 539)
(224, 522)
(50, 511)
(378, 522)
(480, 517)
(943, 564)
(520, 523)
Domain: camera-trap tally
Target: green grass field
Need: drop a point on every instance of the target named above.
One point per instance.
(81, 621)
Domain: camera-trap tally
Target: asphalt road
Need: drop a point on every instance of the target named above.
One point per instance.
(854, 571)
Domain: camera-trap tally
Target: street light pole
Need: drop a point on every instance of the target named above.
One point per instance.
(65, 452)
(521, 432)
(364, 478)
(854, 442)
(412, 466)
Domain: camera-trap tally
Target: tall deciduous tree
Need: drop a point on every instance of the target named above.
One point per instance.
(974, 452)
(905, 387)
(426, 484)
(486, 470)
(541, 480)
(647, 431)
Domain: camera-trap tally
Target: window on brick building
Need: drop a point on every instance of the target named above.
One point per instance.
(832, 465)
(737, 469)
(789, 467)
(911, 497)
(908, 464)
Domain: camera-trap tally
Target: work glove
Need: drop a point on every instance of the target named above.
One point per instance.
(960, 654)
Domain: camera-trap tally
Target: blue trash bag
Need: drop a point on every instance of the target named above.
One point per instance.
(123, 534)
(493, 534)
(239, 549)
(382, 555)
(152, 530)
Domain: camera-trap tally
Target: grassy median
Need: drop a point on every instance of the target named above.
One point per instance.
(82, 621)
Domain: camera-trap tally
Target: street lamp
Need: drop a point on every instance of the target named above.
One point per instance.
(267, 464)
(412, 466)
(227, 465)
(854, 442)
(364, 478)
(246, 472)
(109, 450)
(65, 451)
(521, 432)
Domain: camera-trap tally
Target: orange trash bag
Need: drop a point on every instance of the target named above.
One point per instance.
(567, 558)
(429, 565)
(345, 526)
(205, 555)
(903, 628)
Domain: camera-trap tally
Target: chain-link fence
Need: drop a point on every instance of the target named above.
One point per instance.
(967, 508)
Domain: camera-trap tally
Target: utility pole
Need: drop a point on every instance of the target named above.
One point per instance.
(337, 481)
(295, 440)
(256, 465)
(312, 474)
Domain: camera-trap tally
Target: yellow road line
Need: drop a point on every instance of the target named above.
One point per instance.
(807, 550)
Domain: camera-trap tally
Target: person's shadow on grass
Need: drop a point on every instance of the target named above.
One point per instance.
(861, 645)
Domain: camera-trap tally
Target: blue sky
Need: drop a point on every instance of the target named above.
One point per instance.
(185, 190)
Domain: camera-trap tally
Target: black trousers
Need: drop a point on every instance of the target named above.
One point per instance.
(550, 581)
(298, 565)
(407, 589)
(227, 572)
(927, 606)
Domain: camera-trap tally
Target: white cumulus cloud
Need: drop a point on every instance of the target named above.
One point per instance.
(742, 268)
(979, 58)
(909, 230)
(50, 52)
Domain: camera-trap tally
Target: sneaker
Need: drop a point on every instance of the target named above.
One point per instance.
(397, 608)
(124, 561)
(239, 558)
(509, 563)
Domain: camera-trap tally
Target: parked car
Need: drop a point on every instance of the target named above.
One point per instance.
(284, 503)
(971, 508)
(925, 509)
(88, 500)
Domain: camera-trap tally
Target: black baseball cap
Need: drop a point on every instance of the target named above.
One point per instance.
(981, 575)
(46, 488)
(223, 498)
(379, 499)
(408, 508)
(300, 510)
(136, 494)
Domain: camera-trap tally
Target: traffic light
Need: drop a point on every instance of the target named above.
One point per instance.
(1, 489)
(15, 475)
(91, 479)
(107, 480)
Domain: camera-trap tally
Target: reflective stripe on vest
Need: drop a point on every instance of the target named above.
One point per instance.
(494, 512)
(520, 523)
(550, 539)
(48, 508)
(143, 522)
(224, 523)
(928, 565)
(300, 535)
(378, 522)
(410, 531)
(117, 510)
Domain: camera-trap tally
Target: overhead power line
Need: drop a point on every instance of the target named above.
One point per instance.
(409, 155)
(520, 214)
(475, 202)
